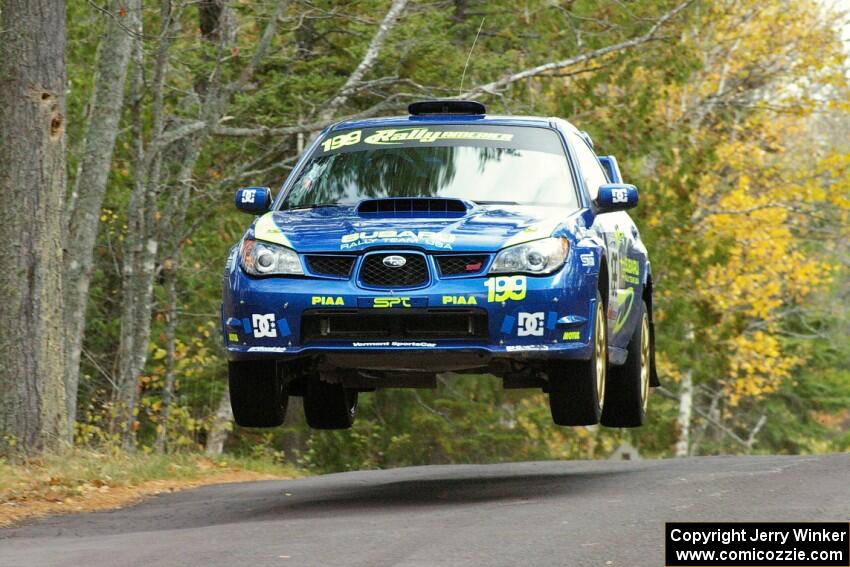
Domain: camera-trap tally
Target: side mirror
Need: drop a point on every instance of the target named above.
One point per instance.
(254, 200)
(612, 168)
(616, 197)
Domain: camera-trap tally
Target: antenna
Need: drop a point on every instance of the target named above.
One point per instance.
(468, 57)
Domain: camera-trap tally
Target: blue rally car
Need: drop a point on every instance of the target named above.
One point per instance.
(444, 241)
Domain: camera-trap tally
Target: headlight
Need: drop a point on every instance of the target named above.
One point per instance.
(264, 259)
(537, 257)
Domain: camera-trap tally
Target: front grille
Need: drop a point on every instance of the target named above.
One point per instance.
(374, 273)
(418, 324)
(338, 266)
(461, 265)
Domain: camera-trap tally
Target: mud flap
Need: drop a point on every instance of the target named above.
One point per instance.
(653, 372)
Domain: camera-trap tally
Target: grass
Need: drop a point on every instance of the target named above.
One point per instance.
(85, 480)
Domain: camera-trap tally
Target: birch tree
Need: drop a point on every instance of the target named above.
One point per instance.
(32, 189)
(140, 244)
(145, 216)
(85, 201)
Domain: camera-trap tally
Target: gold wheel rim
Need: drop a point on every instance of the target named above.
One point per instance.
(644, 361)
(601, 351)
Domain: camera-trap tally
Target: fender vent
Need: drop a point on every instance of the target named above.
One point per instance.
(461, 265)
(412, 207)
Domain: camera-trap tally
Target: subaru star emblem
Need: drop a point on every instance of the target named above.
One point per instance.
(394, 261)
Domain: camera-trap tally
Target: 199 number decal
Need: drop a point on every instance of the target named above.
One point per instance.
(340, 141)
(505, 288)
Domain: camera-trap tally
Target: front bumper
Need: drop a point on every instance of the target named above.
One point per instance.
(518, 317)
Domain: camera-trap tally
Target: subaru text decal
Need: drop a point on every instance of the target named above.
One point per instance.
(436, 239)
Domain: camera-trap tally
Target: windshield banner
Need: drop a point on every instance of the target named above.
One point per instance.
(535, 139)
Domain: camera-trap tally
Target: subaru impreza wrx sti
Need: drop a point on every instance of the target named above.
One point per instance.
(446, 241)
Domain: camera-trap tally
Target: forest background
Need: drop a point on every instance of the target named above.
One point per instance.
(731, 117)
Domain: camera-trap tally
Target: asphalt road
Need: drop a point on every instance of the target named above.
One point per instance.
(543, 513)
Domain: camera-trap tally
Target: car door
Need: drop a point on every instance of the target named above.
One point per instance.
(618, 232)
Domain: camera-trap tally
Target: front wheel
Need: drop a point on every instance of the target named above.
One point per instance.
(577, 388)
(329, 406)
(257, 395)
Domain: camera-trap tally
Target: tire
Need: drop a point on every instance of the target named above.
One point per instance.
(577, 388)
(257, 395)
(329, 406)
(628, 385)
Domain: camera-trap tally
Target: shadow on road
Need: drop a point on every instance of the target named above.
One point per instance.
(342, 494)
(418, 493)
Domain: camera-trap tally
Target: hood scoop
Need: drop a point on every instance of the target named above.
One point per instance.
(415, 207)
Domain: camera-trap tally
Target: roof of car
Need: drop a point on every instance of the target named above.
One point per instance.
(491, 119)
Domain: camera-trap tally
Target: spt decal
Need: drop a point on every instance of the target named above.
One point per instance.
(388, 302)
(506, 288)
(391, 302)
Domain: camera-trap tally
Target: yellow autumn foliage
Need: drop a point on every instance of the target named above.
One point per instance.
(755, 179)
(753, 211)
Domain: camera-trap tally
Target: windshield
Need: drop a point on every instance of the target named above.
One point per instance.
(483, 164)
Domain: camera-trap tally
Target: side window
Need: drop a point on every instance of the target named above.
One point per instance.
(591, 171)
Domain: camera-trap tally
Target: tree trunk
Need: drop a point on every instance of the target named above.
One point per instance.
(220, 427)
(137, 300)
(170, 275)
(143, 240)
(104, 114)
(368, 61)
(140, 245)
(686, 396)
(32, 192)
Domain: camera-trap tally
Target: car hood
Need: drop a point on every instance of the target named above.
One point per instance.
(341, 229)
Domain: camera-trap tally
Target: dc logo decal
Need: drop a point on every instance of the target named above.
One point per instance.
(264, 325)
(619, 196)
(587, 260)
(248, 195)
(531, 324)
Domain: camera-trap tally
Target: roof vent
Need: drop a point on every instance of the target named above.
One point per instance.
(446, 107)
